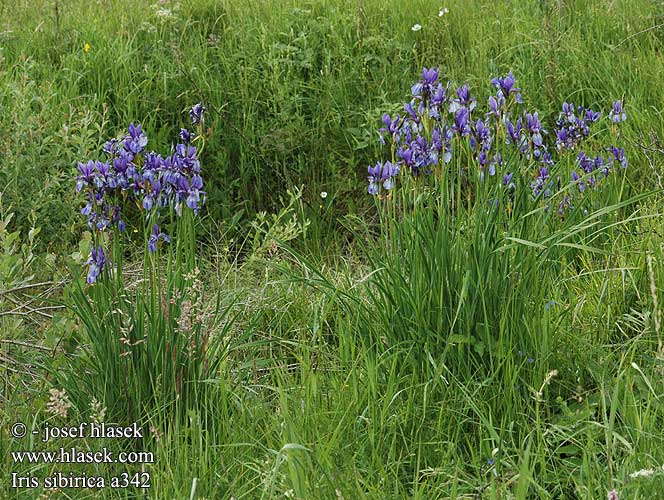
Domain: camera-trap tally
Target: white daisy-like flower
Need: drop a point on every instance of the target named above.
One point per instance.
(443, 11)
(416, 27)
(323, 194)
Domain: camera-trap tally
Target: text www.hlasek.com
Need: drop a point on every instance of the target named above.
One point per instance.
(74, 456)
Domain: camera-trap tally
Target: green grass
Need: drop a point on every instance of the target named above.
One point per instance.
(356, 366)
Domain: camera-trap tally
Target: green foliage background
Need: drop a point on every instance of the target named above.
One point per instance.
(316, 395)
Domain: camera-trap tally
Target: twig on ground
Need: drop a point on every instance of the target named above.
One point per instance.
(25, 344)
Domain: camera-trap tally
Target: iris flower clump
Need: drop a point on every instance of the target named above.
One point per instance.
(132, 175)
(482, 203)
(504, 145)
(149, 340)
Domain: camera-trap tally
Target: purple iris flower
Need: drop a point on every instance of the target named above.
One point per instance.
(591, 116)
(388, 174)
(541, 183)
(493, 106)
(151, 164)
(110, 147)
(423, 156)
(156, 237)
(568, 112)
(601, 165)
(410, 109)
(535, 128)
(483, 134)
(546, 158)
(575, 179)
(496, 105)
(196, 182)
(483, 160)
(424, 89)
(465, 100)
(374, 176)
(564, 139)
(497, 161)
(439, 95)
(514, 135)
(437, 139)
(185, 136)
(87, 209)
(507, 181)
(574, 127)
(617, 114)
(406, 154)
(506, 87)
(382, 173)
(88, 174)
(121, 163)
(136, 133)
(586, 163)
(97, 262)
(581, 129)
(186, 157)
(461, 121)
(196, 113)
(392, 126)
(148, 202)
(194, 199)
(429, 76)
(136, 141)
(618, 156)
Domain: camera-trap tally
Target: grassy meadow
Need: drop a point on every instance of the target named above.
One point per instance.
(297, 337)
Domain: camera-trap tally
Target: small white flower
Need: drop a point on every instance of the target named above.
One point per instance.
(416, 27)
(642, 473)
(443, 11)
(165, 13)
(323, 194)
